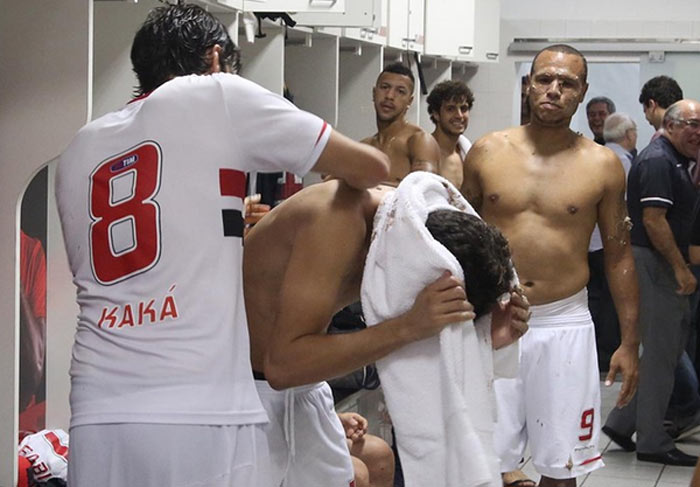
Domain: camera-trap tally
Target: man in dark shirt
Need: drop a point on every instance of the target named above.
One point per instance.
(660, 198)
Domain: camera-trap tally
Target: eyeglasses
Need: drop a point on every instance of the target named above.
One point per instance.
(692, 123)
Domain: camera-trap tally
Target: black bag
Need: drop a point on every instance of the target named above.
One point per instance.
(349, 320)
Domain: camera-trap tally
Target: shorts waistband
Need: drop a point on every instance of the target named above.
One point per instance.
(570, 311)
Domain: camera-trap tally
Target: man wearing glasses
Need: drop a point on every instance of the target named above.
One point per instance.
(661, 198)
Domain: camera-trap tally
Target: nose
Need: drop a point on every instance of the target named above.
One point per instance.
(554, 88)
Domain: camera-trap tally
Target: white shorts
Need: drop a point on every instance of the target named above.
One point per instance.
(176, 455)
(306, 438)
(555, 400)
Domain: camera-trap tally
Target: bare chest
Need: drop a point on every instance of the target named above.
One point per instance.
(396, 148)
(557, 191)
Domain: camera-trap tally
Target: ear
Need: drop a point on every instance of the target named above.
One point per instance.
(583, 92)
(410, 101)
(213, 54)
(374, 93)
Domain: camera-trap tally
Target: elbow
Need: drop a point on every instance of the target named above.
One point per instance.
(277, 374)
(694, 254)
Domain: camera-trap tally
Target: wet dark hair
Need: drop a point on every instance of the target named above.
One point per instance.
(174, 40)
(663, 90)
(399, 68)
(566, 49)
(447, 91)
(481, 250)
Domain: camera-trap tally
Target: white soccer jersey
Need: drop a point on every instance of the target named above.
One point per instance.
(151, 199)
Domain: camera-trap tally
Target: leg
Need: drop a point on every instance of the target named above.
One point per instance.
(376, 454)
(662, 321)
(562, 391)
(361, 473)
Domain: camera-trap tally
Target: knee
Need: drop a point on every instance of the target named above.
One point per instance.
(361, 473)
(378, 457)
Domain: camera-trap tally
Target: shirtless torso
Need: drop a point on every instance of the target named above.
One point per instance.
(408, 147)
(546, 202)
(451, 166)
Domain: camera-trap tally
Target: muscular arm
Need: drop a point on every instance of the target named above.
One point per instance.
(325, 253)
(659, 232)
(360, 165)
(424, 152)
(622, 279)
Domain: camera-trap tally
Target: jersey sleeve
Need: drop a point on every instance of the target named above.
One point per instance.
(655, 184)
(271, 133)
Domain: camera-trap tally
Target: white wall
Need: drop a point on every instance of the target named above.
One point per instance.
(44, 101)
(496, 85)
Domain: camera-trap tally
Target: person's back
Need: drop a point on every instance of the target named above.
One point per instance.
(318, 219)
(155, 280)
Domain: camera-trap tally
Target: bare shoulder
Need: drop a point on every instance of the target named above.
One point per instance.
(494, 142)
(368, 140)
(597, 154)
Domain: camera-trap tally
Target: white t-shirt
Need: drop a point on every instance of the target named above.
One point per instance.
(151, 200)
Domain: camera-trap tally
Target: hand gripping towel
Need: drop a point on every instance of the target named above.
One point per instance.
(438, 390)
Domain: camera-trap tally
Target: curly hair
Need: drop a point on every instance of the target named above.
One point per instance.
(448, 91)
(482, 252)
(174, 40)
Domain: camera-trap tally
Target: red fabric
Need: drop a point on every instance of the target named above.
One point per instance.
(23, 467)
(32, 273)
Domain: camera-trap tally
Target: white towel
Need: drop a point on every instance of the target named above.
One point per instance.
(438, 390)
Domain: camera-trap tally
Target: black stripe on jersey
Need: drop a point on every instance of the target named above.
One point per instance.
(233, 223)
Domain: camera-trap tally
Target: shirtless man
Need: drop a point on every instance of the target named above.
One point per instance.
(303, 262)
(545, 187)
(408, 146)
(449, 104)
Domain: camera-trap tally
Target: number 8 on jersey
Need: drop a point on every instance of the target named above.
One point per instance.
(125, 235)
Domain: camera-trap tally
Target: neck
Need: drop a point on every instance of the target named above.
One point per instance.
(389, 128)
(447, 142)
(549, 136)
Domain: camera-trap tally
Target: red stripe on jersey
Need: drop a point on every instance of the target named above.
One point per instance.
(323, 129)
(140, 97)
(232, 183)
(591, 460)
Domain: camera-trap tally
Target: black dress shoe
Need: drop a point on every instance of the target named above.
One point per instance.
(624, 441)
(672, 457)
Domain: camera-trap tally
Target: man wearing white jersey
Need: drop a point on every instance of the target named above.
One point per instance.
(151, 199)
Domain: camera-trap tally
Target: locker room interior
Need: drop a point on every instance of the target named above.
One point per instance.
(64, 64)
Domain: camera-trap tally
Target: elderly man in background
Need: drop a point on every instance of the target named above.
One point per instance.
(597, 110)
(661, 199)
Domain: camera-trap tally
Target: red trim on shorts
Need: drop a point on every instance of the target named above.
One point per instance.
(323, 129)
(232, 183)
(591, 460)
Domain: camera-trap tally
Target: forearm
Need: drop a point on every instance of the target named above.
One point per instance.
(662, 239)
(317, 357)
(360, 165)
(624, 288)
